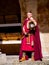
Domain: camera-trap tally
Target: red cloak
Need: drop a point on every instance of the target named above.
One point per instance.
(37, 45)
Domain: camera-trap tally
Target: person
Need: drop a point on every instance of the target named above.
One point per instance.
(30, 41)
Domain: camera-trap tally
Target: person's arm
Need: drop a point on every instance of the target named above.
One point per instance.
(34, 21)
(24, 30)
(28, 24)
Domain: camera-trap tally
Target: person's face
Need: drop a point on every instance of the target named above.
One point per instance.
(29, 15)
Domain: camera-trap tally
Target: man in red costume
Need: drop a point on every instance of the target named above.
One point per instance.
(31, 40)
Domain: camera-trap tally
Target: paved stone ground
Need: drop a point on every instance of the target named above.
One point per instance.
(13, 60)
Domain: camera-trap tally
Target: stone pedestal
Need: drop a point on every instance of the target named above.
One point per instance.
(3, 58)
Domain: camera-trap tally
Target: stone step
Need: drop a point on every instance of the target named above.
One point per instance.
(28, 62)
(14, 60)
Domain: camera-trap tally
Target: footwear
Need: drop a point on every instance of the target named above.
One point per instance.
(22, 59)
(41, 59)
(32, 58)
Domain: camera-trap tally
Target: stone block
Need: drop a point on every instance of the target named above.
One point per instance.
(3, 58)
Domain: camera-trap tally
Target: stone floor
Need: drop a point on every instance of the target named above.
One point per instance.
(13, 60)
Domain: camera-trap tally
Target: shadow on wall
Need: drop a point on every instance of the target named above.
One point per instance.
(43, 15)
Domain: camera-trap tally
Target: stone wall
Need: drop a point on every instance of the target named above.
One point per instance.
(43, 15)
(43, 20)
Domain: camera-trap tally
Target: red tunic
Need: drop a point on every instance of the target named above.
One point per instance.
(27, 42)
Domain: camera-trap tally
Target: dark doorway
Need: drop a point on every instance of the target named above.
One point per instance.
(10, 11)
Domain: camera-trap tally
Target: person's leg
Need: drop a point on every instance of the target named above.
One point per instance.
(23, 57)
(32, 56)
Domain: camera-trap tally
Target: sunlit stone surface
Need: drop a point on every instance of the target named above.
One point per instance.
(14, 60)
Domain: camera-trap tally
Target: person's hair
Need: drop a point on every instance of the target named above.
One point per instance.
(29, 12)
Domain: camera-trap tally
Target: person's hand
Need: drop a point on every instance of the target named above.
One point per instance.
(34, 21)
(26, 34)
